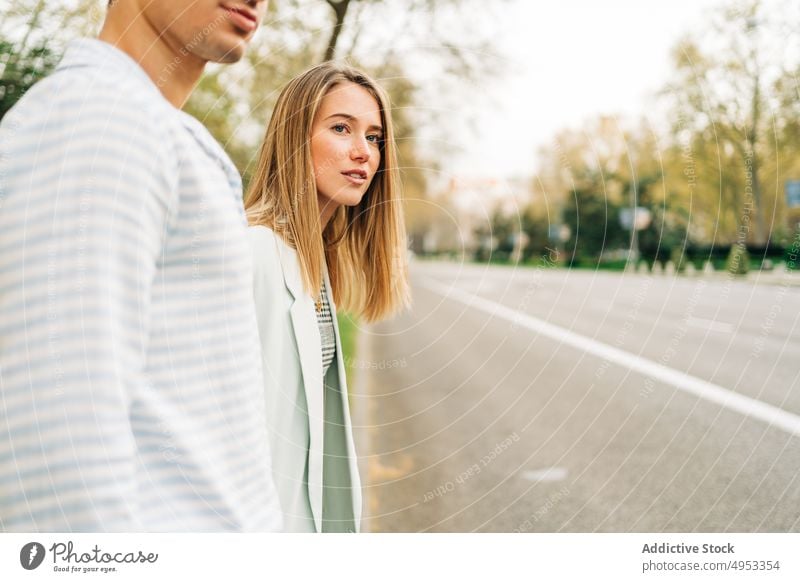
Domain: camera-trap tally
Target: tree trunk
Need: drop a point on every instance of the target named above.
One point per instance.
(752, 138)
(340, 12)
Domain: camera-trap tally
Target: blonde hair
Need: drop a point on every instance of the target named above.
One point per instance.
(363, 245)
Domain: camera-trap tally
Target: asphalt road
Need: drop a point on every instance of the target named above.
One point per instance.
(548, 400)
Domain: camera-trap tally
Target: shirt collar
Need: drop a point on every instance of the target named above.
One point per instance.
(92, 52)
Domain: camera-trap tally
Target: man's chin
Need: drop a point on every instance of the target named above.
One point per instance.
(232, 56)
(226, 54)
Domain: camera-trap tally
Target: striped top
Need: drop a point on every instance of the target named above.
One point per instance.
(326, 334)
(131, 391)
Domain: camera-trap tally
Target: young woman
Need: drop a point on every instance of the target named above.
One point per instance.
(326, 230)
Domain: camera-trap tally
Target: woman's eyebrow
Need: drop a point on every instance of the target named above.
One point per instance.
(352, 118)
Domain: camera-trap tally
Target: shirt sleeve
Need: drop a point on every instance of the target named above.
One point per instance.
(87, 187)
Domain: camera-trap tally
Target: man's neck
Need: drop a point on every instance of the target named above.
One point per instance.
(175, 73)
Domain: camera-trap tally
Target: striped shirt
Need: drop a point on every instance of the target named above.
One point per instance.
(326, 334)
(130, 379)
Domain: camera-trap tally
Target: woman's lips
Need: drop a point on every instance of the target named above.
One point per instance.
(356, 178)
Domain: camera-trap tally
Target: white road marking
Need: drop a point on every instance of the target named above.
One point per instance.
(549, 474)
(709, 324)
(750, 407)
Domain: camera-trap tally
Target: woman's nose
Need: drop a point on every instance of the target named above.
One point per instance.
(360, 149)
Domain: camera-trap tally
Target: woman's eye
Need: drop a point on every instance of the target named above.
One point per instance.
(374, 138)
(340, 128)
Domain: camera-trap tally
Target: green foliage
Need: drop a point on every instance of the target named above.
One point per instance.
(594, 225)
(497, 237)
(348, 333)
(738, 262)
(792, 254)
(537, 229)
(21, 70)
(678, 257)
(215, 104)
(666, 237)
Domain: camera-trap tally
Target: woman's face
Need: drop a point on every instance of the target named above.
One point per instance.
(345, 146)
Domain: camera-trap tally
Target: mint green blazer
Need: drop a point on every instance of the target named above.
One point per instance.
(314, 462)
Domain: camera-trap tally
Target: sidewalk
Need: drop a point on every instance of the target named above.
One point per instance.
(778, 276)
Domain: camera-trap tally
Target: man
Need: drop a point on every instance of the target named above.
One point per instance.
(130, 378)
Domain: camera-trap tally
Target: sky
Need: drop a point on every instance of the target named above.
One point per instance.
(567, 62)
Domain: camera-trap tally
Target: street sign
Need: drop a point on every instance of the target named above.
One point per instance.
(792, 193)
(559, 232)
(635, 218)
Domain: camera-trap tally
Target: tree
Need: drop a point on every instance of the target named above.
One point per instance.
(588, 176)
(723, 95)
(594, 226)
(496, 237)
(787, 136)
(340, 13)
(536, 226)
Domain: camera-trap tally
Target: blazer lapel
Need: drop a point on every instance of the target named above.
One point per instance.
(306, 333)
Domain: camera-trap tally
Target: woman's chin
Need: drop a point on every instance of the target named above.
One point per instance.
(352, 200)
(347, 199)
